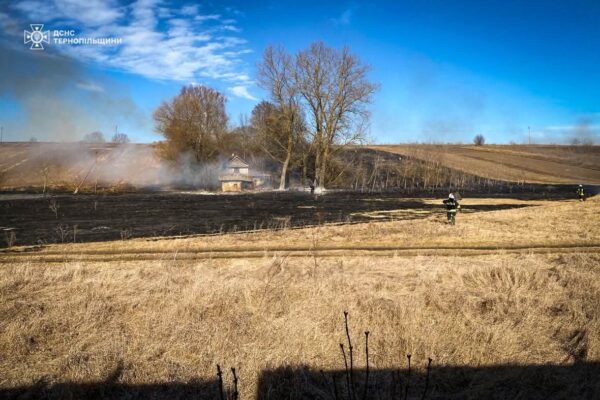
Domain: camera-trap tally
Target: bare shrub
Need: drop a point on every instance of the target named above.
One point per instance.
(94, 137)
(120, 138)
(479, 140)
(45, 172)
(62, 232)
(125, 234)
(54, 207)
(11, 237)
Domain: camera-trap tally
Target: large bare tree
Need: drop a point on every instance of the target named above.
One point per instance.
(285, 121)
(275, 138)
(336, 91)
(194, 121)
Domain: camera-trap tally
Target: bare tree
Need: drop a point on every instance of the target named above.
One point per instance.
(275, 138)
(94, 137)
(275, 74)
(336, 91)
(479, 140)
(195, 121)
(45, 172)
(266, 123)
(120, 138)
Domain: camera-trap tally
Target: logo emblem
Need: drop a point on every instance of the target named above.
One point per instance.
(37, 37)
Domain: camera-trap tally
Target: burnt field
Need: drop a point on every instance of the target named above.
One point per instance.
(29, 219)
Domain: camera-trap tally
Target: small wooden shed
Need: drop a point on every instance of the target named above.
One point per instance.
(236, 176)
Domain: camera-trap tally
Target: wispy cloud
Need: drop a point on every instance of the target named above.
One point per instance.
(207, 17)
(90, 12)
(565, 128)
(90, 86)
(159, 40)
(242, 91)
(345, 18)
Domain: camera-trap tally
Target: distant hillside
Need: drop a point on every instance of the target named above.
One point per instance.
(549, 164)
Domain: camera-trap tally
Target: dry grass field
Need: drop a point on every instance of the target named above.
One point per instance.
(66, 166)
(506, 303)
(516, 163)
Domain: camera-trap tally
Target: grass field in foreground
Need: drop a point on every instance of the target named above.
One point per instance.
(171, 321)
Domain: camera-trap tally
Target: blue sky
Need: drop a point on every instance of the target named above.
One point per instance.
(447, 69)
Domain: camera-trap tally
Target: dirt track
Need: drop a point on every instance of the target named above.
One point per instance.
(298, 251)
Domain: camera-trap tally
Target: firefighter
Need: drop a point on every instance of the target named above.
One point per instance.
(452, 208)
(580, 193)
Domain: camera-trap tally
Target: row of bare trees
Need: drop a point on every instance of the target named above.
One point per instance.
(317, 104)
(98, 137)
(321, 97)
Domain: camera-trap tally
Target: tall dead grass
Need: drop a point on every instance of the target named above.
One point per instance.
(174, 321)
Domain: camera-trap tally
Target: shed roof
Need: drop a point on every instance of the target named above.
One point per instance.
(237, 162)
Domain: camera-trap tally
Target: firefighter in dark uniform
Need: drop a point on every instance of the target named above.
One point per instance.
(452, 208)
(580, 193)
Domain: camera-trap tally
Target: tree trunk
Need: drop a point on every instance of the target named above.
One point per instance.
(284, 169)
(317, 177)
(304, 168)
(323, 167)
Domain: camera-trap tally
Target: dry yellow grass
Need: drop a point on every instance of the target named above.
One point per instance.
(535, 164)
(172, 320)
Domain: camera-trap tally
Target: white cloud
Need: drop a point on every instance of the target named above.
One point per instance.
(190, 9)
(89, 12)
(231, 28)
(242, 91)
(572, 127)
(345, 17)
(210, 17)
(90, 86)
(159, 41)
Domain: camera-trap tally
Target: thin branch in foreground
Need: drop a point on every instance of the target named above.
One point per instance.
(347, 371)
(408, 380)
(235, 384)
(350, 352)
(427, 379)
(220, 375)
(366, 389)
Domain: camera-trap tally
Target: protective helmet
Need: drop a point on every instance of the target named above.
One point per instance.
(451, 196)
(580, 185)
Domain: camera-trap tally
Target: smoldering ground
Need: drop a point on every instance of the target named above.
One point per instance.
(88, 166)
